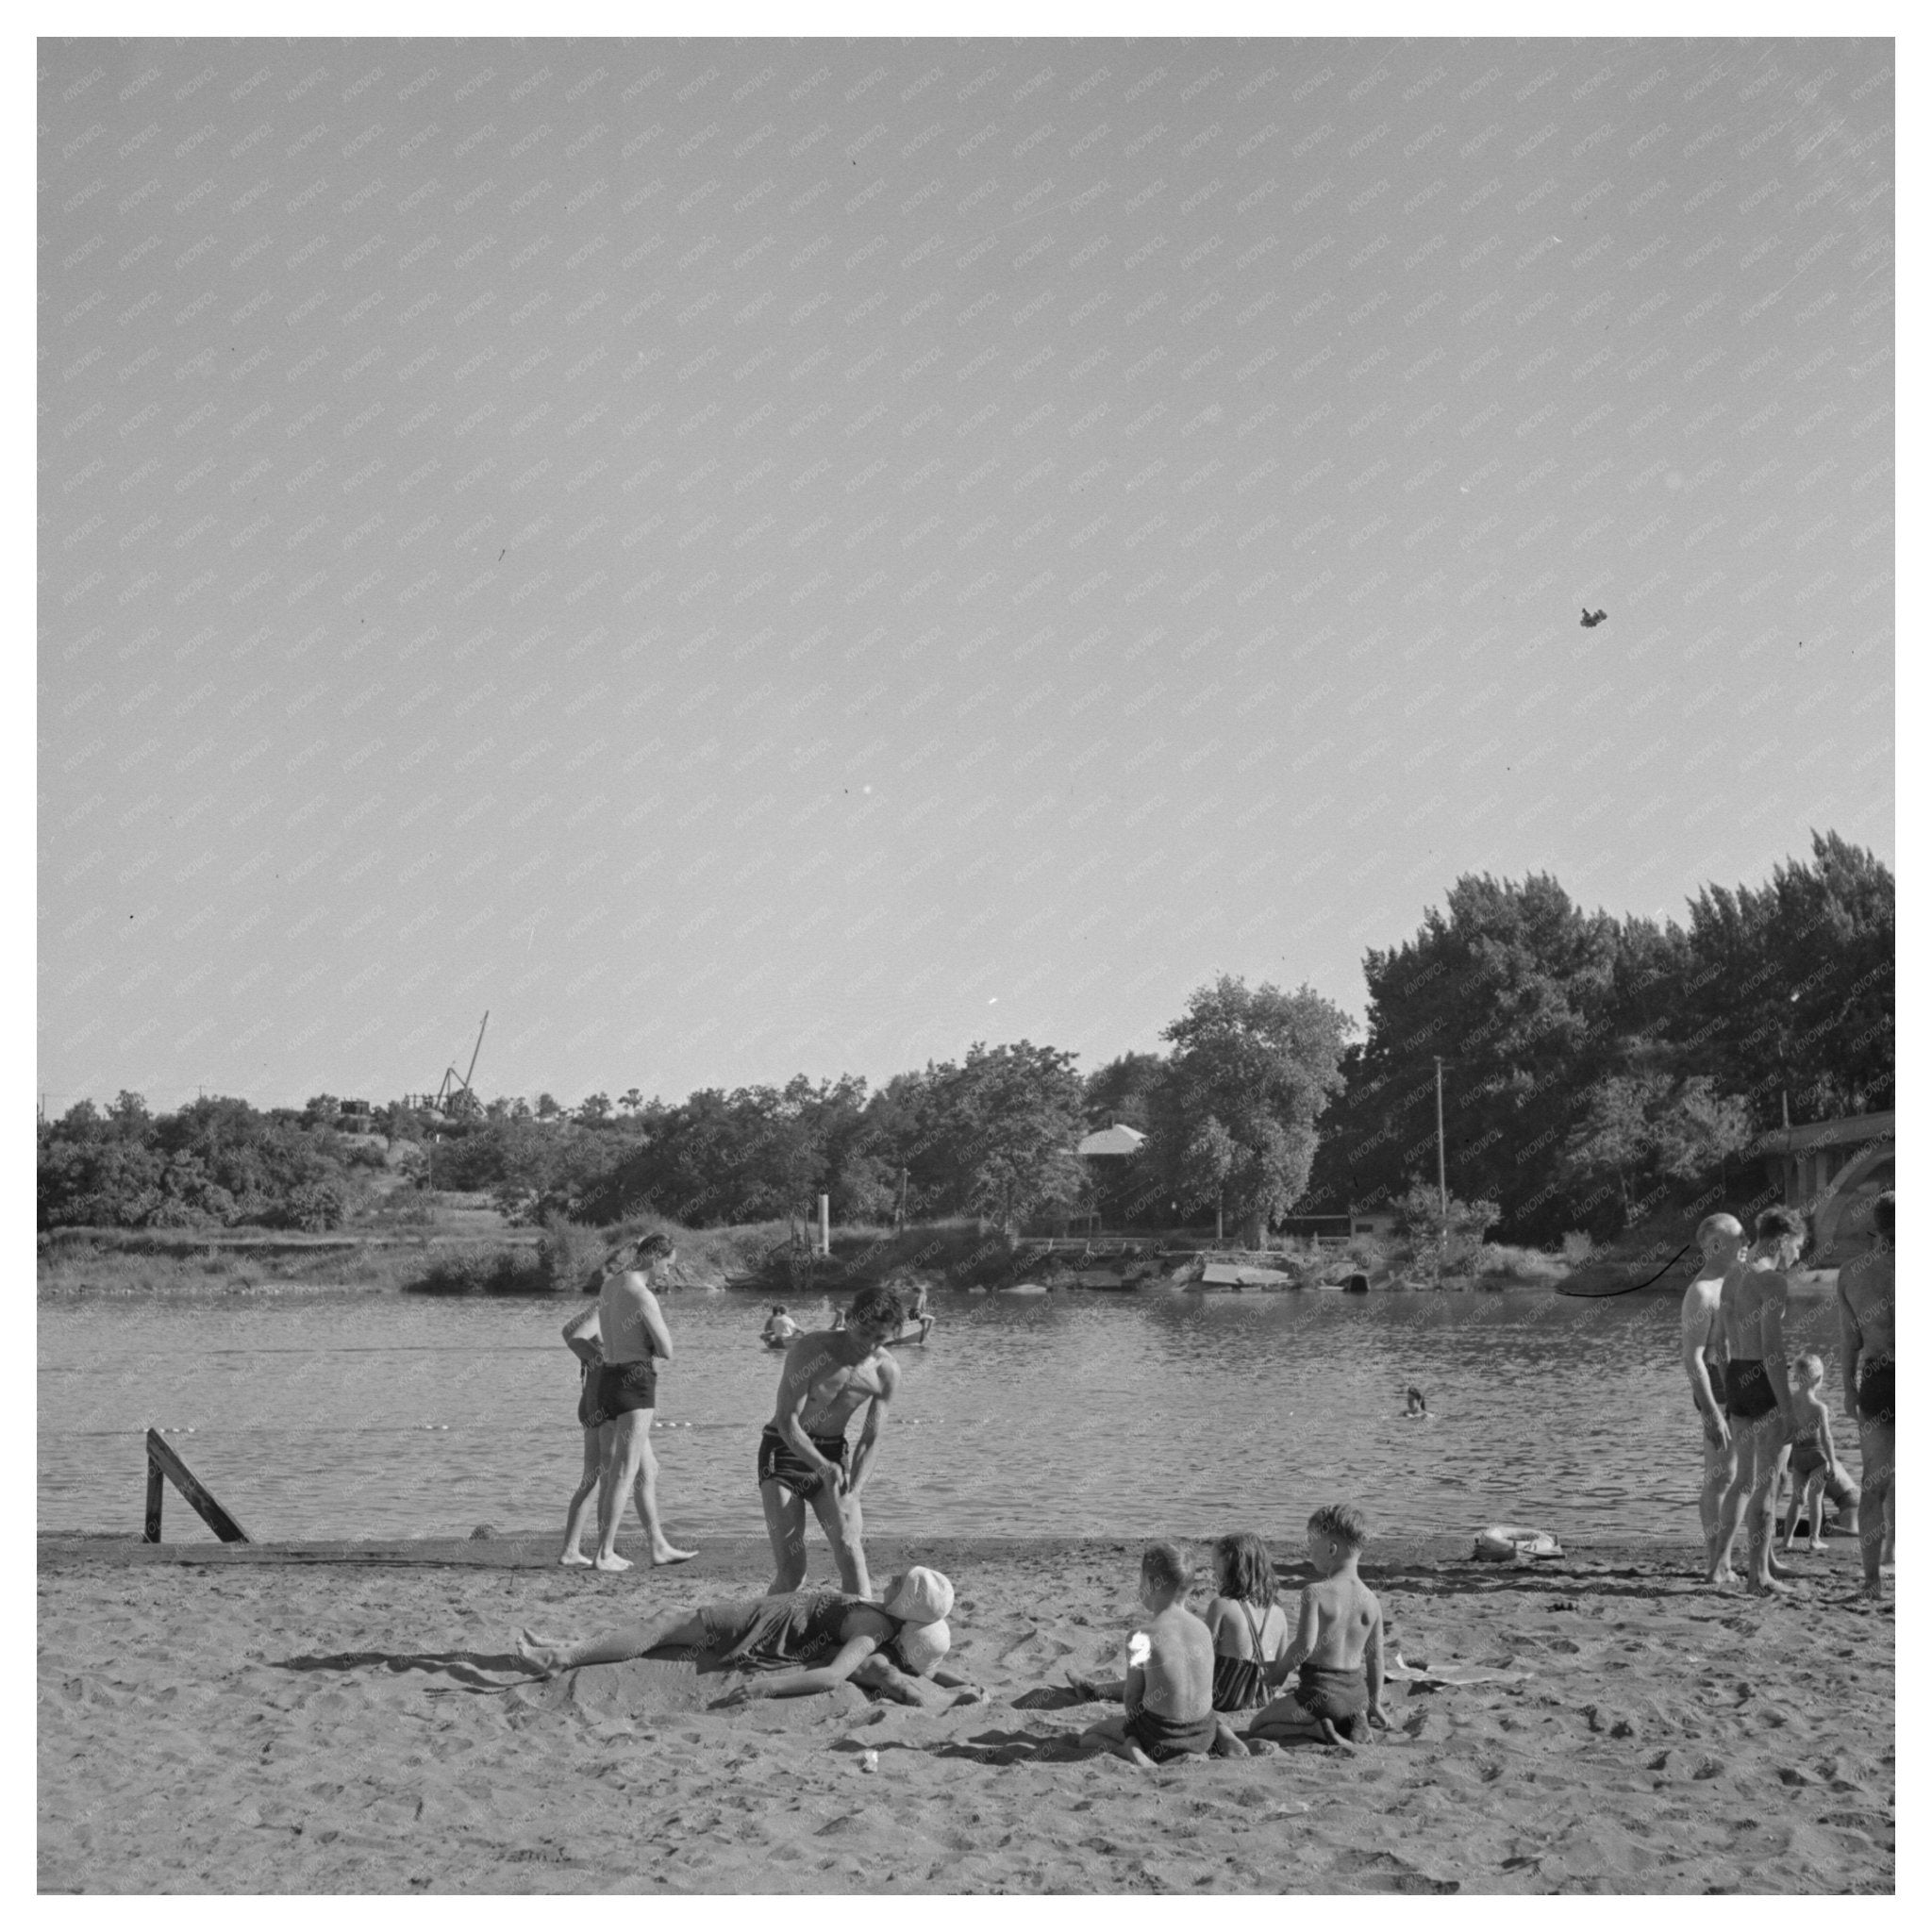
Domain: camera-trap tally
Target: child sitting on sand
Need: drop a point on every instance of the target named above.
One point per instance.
(1815, 1467)
(1338, 1644)
(1248, 1626)
(1169, 1694)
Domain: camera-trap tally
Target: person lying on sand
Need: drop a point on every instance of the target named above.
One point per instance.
(1169, 1695)
(894, 1647)
(1338, 1644)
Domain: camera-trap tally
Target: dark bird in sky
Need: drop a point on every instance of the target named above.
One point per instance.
(1592, 618)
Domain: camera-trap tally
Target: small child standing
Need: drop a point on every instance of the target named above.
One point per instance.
(1815, 1467)
(1338, 1644)
(1169, 1694)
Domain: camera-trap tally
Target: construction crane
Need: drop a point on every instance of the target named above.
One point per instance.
(455, 1099)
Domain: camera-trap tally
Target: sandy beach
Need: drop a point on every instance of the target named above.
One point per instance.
(349, 1717)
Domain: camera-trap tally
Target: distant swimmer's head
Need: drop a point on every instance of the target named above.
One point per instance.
(1811, 1370)
(1883, 1209)
(879, 1311)
(1719, 1236)
(1336, 1531)
(1244, 1569)
(1418, 1402)
(1780, 1234)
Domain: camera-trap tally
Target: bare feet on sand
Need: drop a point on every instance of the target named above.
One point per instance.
(548, 1657)
(611, 1562)
(574, 1559)
(668, 1555)
(1772, 1587)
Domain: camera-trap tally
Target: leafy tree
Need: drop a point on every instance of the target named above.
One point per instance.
(1233, 1115)
(631, 1101)
(1122, 1091)
(1440, 1240)
(595, 1110)
(1005, 1123)
(547, 1109)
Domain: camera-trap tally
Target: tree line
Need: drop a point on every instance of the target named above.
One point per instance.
(1591, 1066)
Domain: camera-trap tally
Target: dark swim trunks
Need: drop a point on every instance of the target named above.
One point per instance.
(779, 1462)
(624, 1386)
(1748, 1393)
(778, 1633)
(1164, 1739)
(1877, 1398)
(1341, 1696)
(1807, 1459)
(588, 1414)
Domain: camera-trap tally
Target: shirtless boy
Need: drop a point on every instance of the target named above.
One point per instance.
(634, 1337)
(1757, 1395)
(829, 1376)
(1867, 1309)
(1338, 1644)
(1721, 1239)
(1168, 1701)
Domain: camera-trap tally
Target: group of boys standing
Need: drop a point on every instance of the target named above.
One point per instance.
(803, 1458)
(1757, 1419)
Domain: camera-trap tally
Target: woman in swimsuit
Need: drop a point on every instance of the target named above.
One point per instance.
(811, 1641)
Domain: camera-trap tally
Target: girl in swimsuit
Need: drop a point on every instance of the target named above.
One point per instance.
(1250, 1629)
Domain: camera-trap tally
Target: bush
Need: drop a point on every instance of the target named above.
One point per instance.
(570, 1256)
(1578, 1249)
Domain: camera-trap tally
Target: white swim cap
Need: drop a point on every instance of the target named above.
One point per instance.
(922, 1646)
(924, 1596)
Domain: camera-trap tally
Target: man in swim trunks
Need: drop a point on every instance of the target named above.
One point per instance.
(1867, 1312)
(829, 1376)
(1338, 1644)
(634, 1340)
(1757, 1395)
(1721, 1241)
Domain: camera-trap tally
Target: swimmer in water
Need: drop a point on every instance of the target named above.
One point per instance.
(1417, 1406)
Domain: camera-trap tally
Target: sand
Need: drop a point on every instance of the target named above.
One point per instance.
(349, 1717)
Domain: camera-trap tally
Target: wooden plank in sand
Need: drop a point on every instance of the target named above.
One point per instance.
(161, 1460)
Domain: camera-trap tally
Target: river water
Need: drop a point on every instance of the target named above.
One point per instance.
(360, 1415)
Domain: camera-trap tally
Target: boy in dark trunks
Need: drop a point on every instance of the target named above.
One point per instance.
(1168, 1697)
(1721, 1241)
(1815, 1468)
(829, 1376)
(634, 1340)
(1337, 1647)
(1867, 1314)
(1757, 1396)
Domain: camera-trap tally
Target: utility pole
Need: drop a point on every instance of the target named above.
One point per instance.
(1441, 1158)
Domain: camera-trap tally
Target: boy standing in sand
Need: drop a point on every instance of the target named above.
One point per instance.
(1757, 1395)
(1867, 1312)
(829, 1376)
(1169, 1697)
(1721, 1241)
(1338, 1645)
(634, 1338)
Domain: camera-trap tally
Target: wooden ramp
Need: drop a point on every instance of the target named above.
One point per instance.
(162, 1462)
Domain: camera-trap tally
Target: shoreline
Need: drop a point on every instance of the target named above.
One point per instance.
(350, 1717)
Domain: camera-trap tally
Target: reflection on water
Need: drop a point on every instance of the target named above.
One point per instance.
(365, 1415)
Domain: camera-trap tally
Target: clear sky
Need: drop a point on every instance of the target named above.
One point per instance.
(776, 556)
